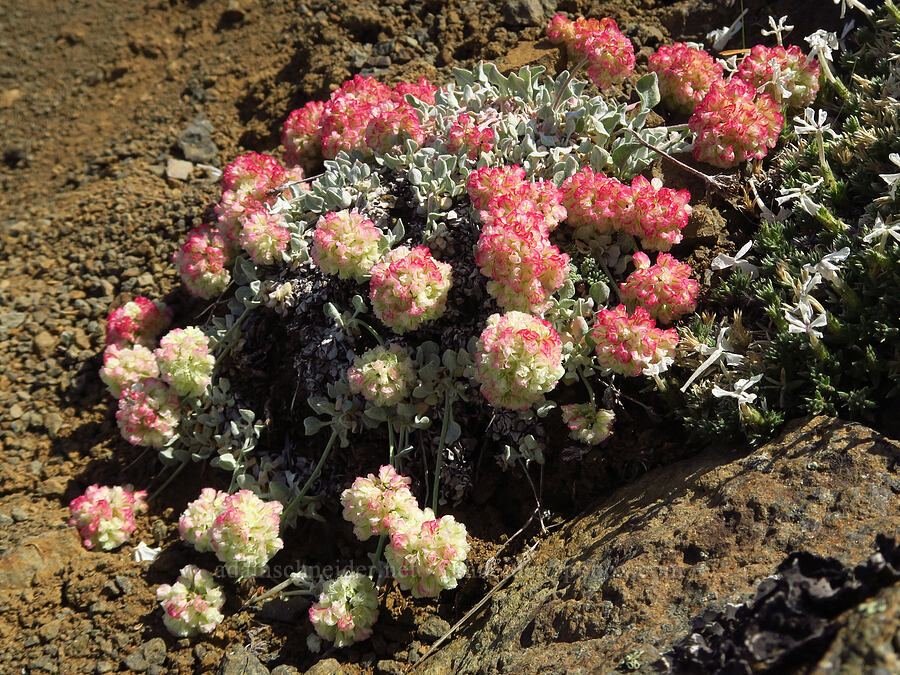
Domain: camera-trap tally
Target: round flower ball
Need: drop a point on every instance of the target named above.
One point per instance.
(264, 235)
(383, 375)
(347, 243)
(184, 360)
(587, 423)
(665, 289)
(139, 321)
(409, 287)
(148, 413)
(733, 124)
(631, 343)
(685, 75)
(518, 359)
(197, 520)
(427, 556)
(104, 515)
(787, 75)
(347, 609)
(245, 533)
(193, 604)
(124, 366)
(377, 504)
(202, 262)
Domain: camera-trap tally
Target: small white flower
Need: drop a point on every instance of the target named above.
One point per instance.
(767, 214)
(740, 392)
(144, 553)
(806, 321)
(723, 261)
(813, 122)
(721, 352)
(823, 43)
(882, 231)
(721, 36)
(827, 266)
(802, 194)
(852, 4)
(779, 29)
(892, 179)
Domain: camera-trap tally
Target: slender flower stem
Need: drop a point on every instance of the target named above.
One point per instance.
(445, 423)
(371, 330)
(823, 162)
(315, 474)
(587, 384)
(228, 342)
(162, 487)
(713, 181)
(373, 573)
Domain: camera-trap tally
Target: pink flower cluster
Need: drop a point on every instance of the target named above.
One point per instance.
(609, 54)
(464, 134)
(733, 124)
(409, 287)
(241, 528)
(504, 192)
(346, 243)
(148, 413)
(202, 262)
(104, 515)
(488, 182)
(787, 75)
(685, 75)
(518, 358)
(644, 209)
(346, 610)
(377, 504)
(253, 175)
(185, 361)
(631, 344)
(193, 604)
(124, 366)
(264, 235)
(587, 423)
(362, 114)
(665, 289)
(383, 375)
(139, 321)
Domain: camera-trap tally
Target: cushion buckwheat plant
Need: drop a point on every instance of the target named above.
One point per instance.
(685, 75)
(245, 533)
(185, 361)
(348, 244)
(127, 365)
(733, 124)
(346, 610)
(193, 604)
(787, 75)
(139, 321)
(202, 262)
(148, 413)
(587, 423)
(383, 375)
(631, 343)
(518, 359)
(197, 520)
(104, 515)
(377, 504)
(263, 235)
(409, 287)
(428, 555)
(665, 289)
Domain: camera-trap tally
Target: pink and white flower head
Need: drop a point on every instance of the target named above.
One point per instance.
(631, 343)
(301, 135)
(685, 75)
(348, 244)
(787, 75)
(524, 268)
(184, 360)
(538, 202)
(193, 604)
(465, 135)
(427, 556)
(587, 423)
(422, 89)
(733, 124)
(202, 262)
(665, 289)
(409, 287)
(383, 375)
(148, 413)
(104, 515)
(610, 55)
(252, 175)
(231, 209)
(124, 366)
(377, 504)
(264, 235)
(593, 199)
(197, 520)
(562, 31)
(139, 321)
(518, 358)
(347, 609)
(390, 129)
(245, 533)
(487, 182)
(348, 113)
(662, 213)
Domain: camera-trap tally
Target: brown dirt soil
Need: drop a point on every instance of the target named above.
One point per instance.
(93, 97)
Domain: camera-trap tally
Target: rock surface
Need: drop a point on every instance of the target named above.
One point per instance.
(624, 580)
